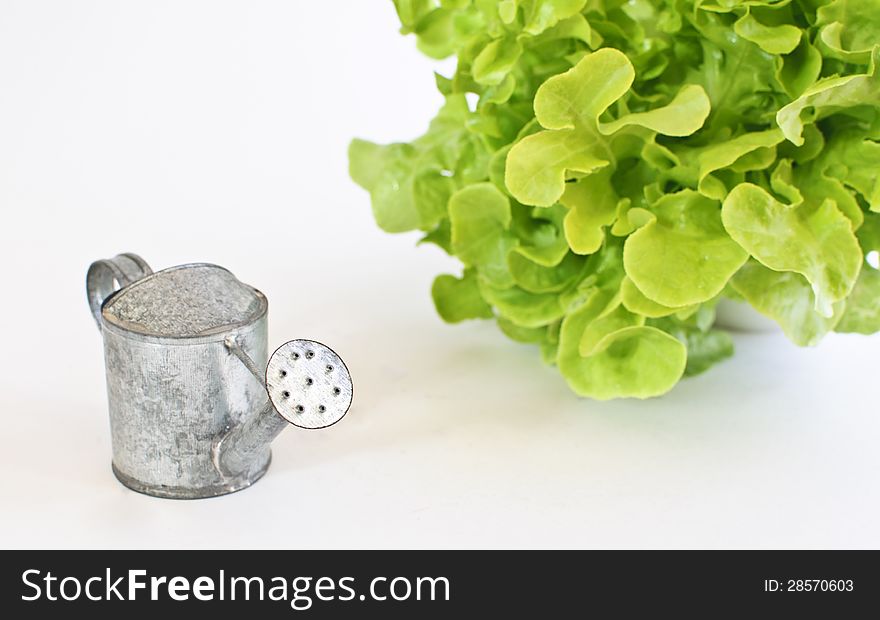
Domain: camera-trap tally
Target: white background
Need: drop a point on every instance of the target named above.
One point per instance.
(217, 131)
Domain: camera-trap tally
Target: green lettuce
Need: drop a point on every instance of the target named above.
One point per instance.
(607, 170)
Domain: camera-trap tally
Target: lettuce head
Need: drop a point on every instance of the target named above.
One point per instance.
(620, 166)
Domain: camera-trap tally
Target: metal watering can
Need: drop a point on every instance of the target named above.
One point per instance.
(193, 404)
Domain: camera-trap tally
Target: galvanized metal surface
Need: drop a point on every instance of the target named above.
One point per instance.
(190, 415)
(184, 302)
(174, 388)
(234, 451)
(309, 384)
(237, 453)
(107, 276)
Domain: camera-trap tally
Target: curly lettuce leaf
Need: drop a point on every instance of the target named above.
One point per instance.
(523, 308)
(781, 39)
(829, 96)
(848, 29)
(705, 346)
(635, 301)
(862, 314)
(817, 243)
(568, 107)
(787, 298)
(634, 361)
(480, 217)
(684, 256)
(592, 207)
(458, 299)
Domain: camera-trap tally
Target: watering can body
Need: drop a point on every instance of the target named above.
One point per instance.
(173, 388)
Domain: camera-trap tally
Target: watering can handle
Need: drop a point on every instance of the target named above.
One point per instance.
(108, 275)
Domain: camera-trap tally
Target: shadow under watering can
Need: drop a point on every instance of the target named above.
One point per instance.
(193, 405)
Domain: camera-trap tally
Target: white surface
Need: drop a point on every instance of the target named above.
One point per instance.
(217, 131)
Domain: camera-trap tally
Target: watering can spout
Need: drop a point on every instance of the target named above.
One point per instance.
(307, 384)
(244, 447)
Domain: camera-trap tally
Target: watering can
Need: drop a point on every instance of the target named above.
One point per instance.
(193, 402)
